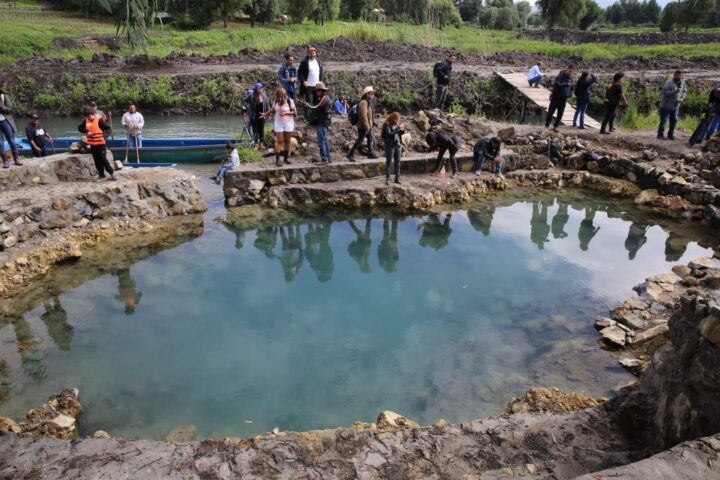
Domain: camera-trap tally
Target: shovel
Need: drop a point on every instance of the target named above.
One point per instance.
(127, 145)
(137, 147)
(52, 144)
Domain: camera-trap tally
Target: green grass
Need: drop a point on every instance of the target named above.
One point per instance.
(633, 120)
(26, 33)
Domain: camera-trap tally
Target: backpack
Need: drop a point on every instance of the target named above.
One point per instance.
(354, 115)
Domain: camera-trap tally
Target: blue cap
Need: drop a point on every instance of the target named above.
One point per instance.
(258, 86)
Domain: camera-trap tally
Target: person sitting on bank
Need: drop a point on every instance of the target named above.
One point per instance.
(95, 130)
(256, 105)
(341, 106)
(535, 76)
(365, 124)
(443, 141)
(133, 122)
(487, 148)
(37, 136)
(391, 134)
(231, 163)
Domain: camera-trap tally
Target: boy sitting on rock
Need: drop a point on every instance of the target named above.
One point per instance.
(232, 162)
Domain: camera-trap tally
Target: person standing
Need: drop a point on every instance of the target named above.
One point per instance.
(256, 104)
(310, 73)
(231, 163)
(7, 130)
(487, 148)
(37, 136)
(442, 71)
(319, 117)
(95, 129)
(673, 95)
(582, 96)
(535, 76)
(444, 141)
(284, 111)
(365, 124)
(392, 133)
(287, 76)
(341, 106)
(614, 96)
(562, 89)
(133, 122)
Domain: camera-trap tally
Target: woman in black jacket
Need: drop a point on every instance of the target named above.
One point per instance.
(392, 133)
(582, 96)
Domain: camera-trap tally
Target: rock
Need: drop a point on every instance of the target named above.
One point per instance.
(613, 335)
(681, 270)
(182, 434)
(664, 179)
(649, 155)
(665, 278)
(387, 420)
(10, 241)
(8, 425)
(704, 263)
(74, 252)
(506, 134)
(63, 422)
(543, 400)
(81, 223)
(422, 121)
(650, 333)
(633, 365)
(604, 322)
(101, 434)
(678, 180)
(375, 460)
(710, 329)
(441, 423)
(54, 419)
(531, 468)
(711, 280)
(690, 281)
(21, 261)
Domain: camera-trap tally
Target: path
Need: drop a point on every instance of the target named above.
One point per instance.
(541, 97)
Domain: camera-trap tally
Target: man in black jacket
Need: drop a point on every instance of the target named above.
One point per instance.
(487, 148)
(562, 89)
(441, 72)
(444, 141)
(310, 73)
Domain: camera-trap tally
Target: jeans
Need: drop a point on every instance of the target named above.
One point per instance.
(535, 81)
(323, 142)
(99, 154)
(440, 96)
(555, 105)
(132, 140)
(609, 119)
(664, 114)
(393, 155)
(222, 171)
(7, 131)
(480, 161)
(712, 126)
(580, 110)
(362, 135)
(441, 161)
(41, 153)
(258, 127)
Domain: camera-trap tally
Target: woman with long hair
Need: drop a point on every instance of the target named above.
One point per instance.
(582, 96)
(391, 135)
(284, 110)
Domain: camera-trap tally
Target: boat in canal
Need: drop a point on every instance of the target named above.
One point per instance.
(154, 150)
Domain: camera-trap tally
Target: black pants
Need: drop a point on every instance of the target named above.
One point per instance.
(441, 160)
(393, 155)
(555, 105)
(609, 116)
(99, 154)
(362, 135)
(258, 127)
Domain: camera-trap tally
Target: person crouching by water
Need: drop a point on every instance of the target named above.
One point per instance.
(487, 148)
(319, 117)
(232, 162)
(284, 110)
(37, 136)
(95, 129)
(391, 134)
(443, 141)
(133, 122)
(256, 104)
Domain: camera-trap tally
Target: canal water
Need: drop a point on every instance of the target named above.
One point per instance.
(312, 321)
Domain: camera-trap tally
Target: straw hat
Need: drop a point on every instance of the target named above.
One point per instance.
(321, 86)
(368, 90)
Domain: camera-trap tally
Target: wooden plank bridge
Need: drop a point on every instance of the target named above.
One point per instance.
(541, 97)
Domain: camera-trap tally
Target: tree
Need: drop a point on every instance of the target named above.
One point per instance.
(524, 9)
(562, 12)
(693, 12)
(469, 9)
(669, 16)
(592, 14)
(299, 10)
(411, 11)
(507, 18)
(355, 9)
(442, 13)
(326, 11)
(652, 12)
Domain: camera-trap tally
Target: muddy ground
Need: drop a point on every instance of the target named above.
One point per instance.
(575, 37)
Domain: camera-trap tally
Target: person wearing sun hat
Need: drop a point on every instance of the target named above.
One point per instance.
(319, 117)
(364, 123)
(256, 104)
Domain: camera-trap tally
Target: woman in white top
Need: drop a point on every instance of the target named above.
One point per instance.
(284, 110)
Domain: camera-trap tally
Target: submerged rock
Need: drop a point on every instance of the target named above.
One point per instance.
(55, 419)
(543, 400)
(182, 434)
(388, 420)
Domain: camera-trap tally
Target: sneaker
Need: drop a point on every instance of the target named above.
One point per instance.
(500, 175)
(372, 155)
(478, 173)
(555, 129)
(99, 178)
(112, 178)
(670, 138)
(660, 137)
(397, 181)
(603, 132)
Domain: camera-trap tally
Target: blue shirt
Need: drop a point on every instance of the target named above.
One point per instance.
(339, 108)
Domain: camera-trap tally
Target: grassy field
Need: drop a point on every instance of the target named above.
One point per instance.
(26, 33)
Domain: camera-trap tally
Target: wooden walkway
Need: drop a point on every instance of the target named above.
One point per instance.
(541, 97)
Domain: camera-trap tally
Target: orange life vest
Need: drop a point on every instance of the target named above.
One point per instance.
(95, 135)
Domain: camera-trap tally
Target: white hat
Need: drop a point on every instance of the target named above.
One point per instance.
(367, 90)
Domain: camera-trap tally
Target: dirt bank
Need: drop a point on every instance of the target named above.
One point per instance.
(575, 37)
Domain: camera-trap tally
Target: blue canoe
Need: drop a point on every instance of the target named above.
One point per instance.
(155, 150)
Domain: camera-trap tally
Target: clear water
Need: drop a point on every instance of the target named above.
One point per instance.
(316, 321)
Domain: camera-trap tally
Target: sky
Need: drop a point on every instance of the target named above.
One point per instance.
(607, 3)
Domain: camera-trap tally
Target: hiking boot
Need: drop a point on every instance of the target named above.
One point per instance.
(397, 181)
(555, 129)
(16, 157)
(372, 155)
(603, 132)
(350, 157)
(660, 137)
(5, 160)
(670, 138)
(285, 157)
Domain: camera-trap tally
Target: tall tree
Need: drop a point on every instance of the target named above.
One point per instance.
(592, 14)
(355, 9)
(412, 11)
(259, 11)
(326, 11)
(562, 12)
(524, 9)
(299, 10)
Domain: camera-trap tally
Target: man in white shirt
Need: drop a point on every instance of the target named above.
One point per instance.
(535, 76)
(310, 73)
(232, 162)
(133, 122)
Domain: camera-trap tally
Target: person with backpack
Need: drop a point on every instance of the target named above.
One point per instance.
(614, 96)
(362, 116)
(443, 141)
(487, 148)
(562, 89)
(284, 110)
(441, 72)
(673, 95)
(391, 134)
(319, 117)
(582, 96)
(287, 76)
(256, 105)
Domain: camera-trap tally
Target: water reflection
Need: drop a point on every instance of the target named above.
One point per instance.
(127, 291)
(55, 319)
(435, 233)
